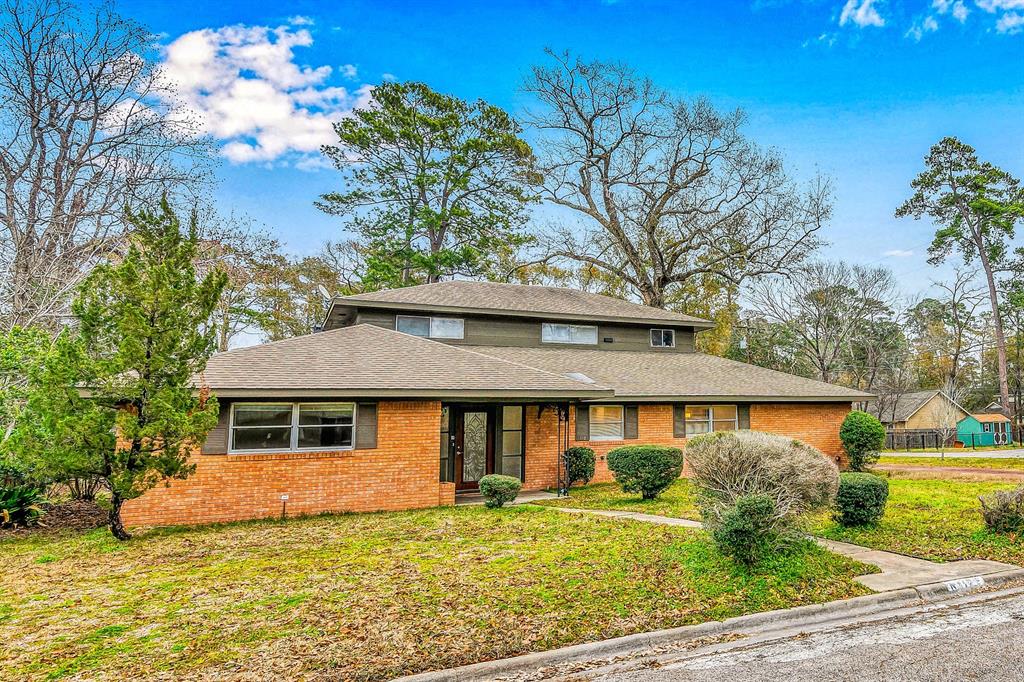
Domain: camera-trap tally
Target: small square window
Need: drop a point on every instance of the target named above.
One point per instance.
(663, 338)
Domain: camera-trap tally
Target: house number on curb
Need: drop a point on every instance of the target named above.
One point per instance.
(965, 584)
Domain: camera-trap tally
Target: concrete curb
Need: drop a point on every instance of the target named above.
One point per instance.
(814, 614)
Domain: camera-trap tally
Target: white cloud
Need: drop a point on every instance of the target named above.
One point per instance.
(919, 28)
(960, 11)
(999, 5)
(861, 13)
(249, 93)
(956, 8)
(898, 253)
(1010, 23)
(390, 77)
(300, 20)
(349, 71)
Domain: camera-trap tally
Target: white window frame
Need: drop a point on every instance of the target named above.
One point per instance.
(293, 439)
(547, 325)
(430, 326)
(710, 421)
(622, 423)
(662, 331)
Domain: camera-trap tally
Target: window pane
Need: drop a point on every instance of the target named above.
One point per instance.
(668, 338)
(606, 422)
(725, 411)
(512, 466)
(656, 339)
(605, 413)
(326, 414)
(512, 443)
(694, 428)
(325, 437)
(697, 413)
(263, 415)
(447, 328)
(275, 438)
(581, 334)
(417, 326)
(725, 425)
(513, 417)
(554, 333)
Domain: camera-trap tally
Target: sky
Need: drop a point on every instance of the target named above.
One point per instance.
(855, 89)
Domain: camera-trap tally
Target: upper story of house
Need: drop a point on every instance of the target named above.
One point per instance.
(494, 314)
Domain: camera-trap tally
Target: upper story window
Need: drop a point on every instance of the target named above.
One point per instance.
(708, 418)
(257, 427)
(553, 332)
(431, 327)
(663, 338)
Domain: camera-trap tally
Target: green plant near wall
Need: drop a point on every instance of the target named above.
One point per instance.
(863, 438)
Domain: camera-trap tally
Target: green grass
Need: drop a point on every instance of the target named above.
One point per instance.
(677, 501)
(934, 519)
(972, 462)
(370, 596)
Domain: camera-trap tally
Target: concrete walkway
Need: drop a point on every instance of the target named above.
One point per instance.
(898, 571)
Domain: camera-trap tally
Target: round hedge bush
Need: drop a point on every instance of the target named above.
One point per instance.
(579, 466)
(645, 469)
(863, 436)
(499, 490)
(861, 499)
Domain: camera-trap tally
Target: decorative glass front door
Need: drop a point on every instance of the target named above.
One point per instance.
(474, 444)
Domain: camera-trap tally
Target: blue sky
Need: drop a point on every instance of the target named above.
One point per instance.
(858, 89)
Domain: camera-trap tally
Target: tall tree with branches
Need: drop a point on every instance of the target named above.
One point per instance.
(435, 186)
(975, 207)
(668, 190)
(87, 126)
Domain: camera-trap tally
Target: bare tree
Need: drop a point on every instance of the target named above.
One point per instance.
(86, 127)
(948, 414)
(669, 190)
(825, 304)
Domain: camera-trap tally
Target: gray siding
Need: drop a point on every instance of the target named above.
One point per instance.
(497, 331)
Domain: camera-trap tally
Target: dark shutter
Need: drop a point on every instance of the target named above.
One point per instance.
(366, 426)
(216, 442)
(743, 413)
(678, 420)
(582, 422)
(630, 427)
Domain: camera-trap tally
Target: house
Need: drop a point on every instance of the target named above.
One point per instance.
(985, 429)
(408, 397)
(916, 411)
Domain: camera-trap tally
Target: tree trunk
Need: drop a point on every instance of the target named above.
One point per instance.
(116, 525)
(997, 321)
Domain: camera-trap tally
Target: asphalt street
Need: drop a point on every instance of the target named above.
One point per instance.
(979, 641)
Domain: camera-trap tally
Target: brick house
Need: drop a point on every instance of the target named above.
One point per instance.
(408, 397)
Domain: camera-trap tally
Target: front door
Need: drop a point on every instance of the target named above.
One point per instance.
(474, 445)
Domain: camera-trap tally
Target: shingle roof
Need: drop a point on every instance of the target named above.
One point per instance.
(645, 375)
(372, 361)
(990, 417)
(518, 300)
(906, 406)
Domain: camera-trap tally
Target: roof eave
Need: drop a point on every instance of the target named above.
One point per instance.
(661, 398)
(469, 310)
(407, 393)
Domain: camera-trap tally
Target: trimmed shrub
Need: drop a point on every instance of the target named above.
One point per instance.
(746, 529)
(861, 499)
(499, 490)
(863, 437)
(1003, 510)
(645, 469)
(579, 466)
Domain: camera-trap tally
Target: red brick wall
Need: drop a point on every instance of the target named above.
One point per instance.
(814, 423)
(401, 473)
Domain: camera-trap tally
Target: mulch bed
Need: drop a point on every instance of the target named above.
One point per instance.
(64, 516)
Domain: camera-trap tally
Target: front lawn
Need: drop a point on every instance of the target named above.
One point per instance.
(676, 501)
(969, 462)
(369, 596)
(935, 519)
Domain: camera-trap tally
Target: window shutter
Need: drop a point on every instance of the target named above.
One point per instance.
(743, 415)
(630, 425)
(678, 420)
(582, 422)
(216, 442)
(366, 426)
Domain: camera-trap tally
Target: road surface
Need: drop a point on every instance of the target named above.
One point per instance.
(978, 641)
(994, 454)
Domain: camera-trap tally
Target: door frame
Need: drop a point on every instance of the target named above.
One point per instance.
(458, 413)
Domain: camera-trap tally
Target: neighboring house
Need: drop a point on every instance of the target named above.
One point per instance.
(408, 397)
(917, 411)
(984, 428)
